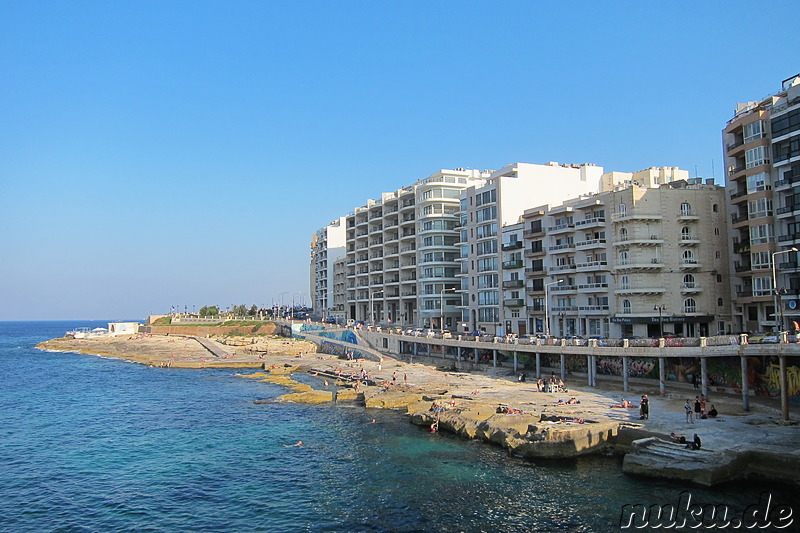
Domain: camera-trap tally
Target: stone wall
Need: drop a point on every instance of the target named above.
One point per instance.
(204, 331)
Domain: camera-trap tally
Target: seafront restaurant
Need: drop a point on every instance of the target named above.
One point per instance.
(615, 358)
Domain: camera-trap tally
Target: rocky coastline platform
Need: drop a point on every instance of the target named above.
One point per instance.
(495, 407)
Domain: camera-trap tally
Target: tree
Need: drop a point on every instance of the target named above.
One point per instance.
(209, 310)
(253, 310)
(239, 310)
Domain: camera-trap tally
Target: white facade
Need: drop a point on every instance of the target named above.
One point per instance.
(327, 247)
(485, 209)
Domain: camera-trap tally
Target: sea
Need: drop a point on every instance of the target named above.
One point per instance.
(91, 444)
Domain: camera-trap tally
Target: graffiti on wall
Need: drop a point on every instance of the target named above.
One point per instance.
(792, 379)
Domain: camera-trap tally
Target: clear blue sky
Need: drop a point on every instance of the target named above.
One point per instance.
(183, 153)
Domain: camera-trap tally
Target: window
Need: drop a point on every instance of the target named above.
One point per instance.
(622, 210)
(720, 302)
(688, 258)
(686, 233)
(487, 281)
(716, 231)
(760, 234)
(760, 261)
(689, 282)
(762, 286)
(755, 156)
(486, 214)
(488, 298)
(626, 306)
(689, 305)
(624, 259)
(686, 209)
(487, 197)
(715, 208)
(624, 282)
(759, 208)
(757, 182)
(753, 131)
(623, 234)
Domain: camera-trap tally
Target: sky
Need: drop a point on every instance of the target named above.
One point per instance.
(160, 154)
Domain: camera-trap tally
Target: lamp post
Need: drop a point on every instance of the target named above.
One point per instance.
(660, 308)
(547, 306)
(779, 325)
(441, 306)
(782, 360)
(372, 306)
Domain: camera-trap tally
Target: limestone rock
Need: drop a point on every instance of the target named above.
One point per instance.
(312, 397)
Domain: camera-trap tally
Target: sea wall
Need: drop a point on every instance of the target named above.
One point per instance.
(268, 328)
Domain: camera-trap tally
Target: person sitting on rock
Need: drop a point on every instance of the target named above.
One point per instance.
(695, 444)
(712, 413)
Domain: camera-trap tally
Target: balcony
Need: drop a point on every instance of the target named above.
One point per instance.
(591, 222)
(560, 228)
(591, 243)
(533, 252)
(561, 268)
(593, 287)
(533, 232)
(562, 248)
(516, 263)
(689, 264)
(514, 302)
(563, 288)
(690, 288)
(652, 264)
(516, 245)
(513, 283)
(591, 265)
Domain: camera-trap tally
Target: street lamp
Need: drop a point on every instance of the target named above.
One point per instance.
(547, 306)
(660, 308)
(372, 306)
(441, 306)
(782, 359)
(779, 325)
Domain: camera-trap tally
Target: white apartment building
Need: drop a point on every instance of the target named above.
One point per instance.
(400, 254)
(488, 207)
(327, 247)
(762, 174)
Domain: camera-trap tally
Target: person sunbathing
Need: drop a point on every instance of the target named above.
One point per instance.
(677, 437)
(625, 404)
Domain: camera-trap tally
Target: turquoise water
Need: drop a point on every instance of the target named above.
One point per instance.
(95, 445)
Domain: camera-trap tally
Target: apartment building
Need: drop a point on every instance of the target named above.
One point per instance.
(762, 174)
(327, 247)
(643, 259)
(399, 264)
(488, 207)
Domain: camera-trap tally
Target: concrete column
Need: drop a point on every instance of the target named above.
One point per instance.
(414, 349)
(594, 371)
(538, 365)
(563, 368)
(662, 376)
(494, 357)
(515, 361)
(458, 352)
(625, 366)
(441, 349)
(704, 376)
(745, 396)
(475, 356)
(784, 390)
(589, 370)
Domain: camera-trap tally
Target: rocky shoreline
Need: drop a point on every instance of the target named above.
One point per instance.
(532, 424)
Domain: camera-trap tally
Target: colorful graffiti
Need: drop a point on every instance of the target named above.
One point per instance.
(792, 379)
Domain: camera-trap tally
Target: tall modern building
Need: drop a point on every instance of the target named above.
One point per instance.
(762, 174)
(327, 247)
(399, 255)
(488, 207)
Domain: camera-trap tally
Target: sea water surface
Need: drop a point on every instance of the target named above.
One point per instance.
(89, 444)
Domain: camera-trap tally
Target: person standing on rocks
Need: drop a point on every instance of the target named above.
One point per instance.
(644, 408)
(689, 415)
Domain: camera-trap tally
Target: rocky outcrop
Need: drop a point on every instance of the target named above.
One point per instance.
(395, 398)
(654, 457)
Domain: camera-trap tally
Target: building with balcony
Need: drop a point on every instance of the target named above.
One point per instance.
(327, 247)
(485, 210)
(645, 254)
(400, 255)
(761, 145)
